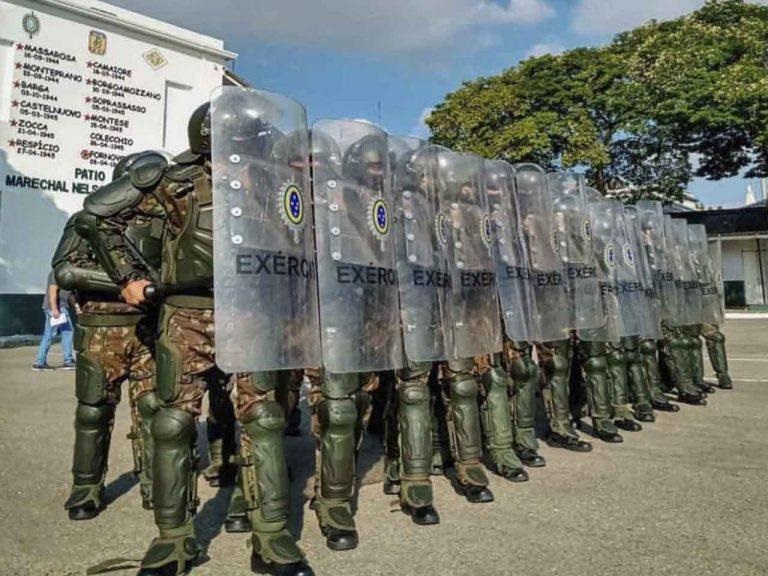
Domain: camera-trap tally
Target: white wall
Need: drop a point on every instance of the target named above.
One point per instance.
(68, 156)
(740, 263)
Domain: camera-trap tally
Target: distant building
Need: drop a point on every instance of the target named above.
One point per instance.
(743, 234)
(82, 83)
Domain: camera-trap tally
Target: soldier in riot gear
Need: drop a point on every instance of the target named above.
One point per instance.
(471, 315)
(186, 355)
(422, 282)
(675, 351)
(554, 315)
(715, 315)
(359, 312)
(115, 344)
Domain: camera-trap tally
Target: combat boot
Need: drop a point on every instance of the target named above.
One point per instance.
(337, 523)
(569, 442)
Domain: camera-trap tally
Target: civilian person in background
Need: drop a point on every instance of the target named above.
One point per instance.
(57, 319)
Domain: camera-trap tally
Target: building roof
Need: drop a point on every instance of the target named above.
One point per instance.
(95, 10)
(729, 221)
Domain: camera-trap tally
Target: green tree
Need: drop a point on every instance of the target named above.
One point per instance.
(632, 113)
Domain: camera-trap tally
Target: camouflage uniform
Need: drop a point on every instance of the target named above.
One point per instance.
(186, 362)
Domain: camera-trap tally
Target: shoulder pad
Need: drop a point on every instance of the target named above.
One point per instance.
(115, 196)
(147, 170)
(183, 172)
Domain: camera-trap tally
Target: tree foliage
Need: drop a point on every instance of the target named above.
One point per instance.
(662, 103)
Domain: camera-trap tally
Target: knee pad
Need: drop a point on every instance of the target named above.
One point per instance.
(90, 380)
(98, 417)
(595, 364)
(557, 365)
(148, 404)
(340, 386)
(463, 387)
(718, 337)
(263, 381)
(266, 415)
(496, 378)
(173, 426)
(414, 372)
(413, 393)
(336, 414)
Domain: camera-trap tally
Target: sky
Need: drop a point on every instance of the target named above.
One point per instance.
(391, 61)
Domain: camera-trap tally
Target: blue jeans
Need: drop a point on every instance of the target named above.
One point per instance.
(66, 331)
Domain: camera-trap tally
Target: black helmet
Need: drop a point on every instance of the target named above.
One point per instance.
(366, 160)
(199, 130)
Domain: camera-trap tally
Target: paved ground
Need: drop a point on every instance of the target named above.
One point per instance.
(687, 496)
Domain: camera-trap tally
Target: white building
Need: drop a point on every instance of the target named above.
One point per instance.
(82, 83)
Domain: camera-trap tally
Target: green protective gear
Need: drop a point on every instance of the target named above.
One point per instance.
(415, 435)
(495, 412)
(675, 355)
(264, 424)
(220, 431)
(638, 385)
(168, 364)
(525, 376)
(337, 418)
(696, 354)
(617, 371)
(441, 442)
(650, 362)
(69, 276)
(555, 370)
(174, 545)
(391, 432)
(460, 394)
(190, 261)
(593, 358)
(93, 432)
(174, 481)
(90, 378)
(147, 405)
(716, 349)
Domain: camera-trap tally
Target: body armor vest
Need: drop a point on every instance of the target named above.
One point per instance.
(188, 249)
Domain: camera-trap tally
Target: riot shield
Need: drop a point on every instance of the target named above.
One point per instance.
(422, 273)
(550, 319)
(715, 249)
(513, 274)
(710, 294)
(472, 310)
(651, 316)
(357, 276)
(630, 289)
(686, 281)
(572, 239)
(603, 217)
(264, 266)
(654, 242)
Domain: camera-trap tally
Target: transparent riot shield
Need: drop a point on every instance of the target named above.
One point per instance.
(686, 281)
(654, 242)
(710, 294)
(513, 273)
(550, 320)
(572, 240)
(603, 216)
(651, 316)
(357, 276)
(715, 249)
(472, 310)
(423, 275)
(630, 288)
(264, 265)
